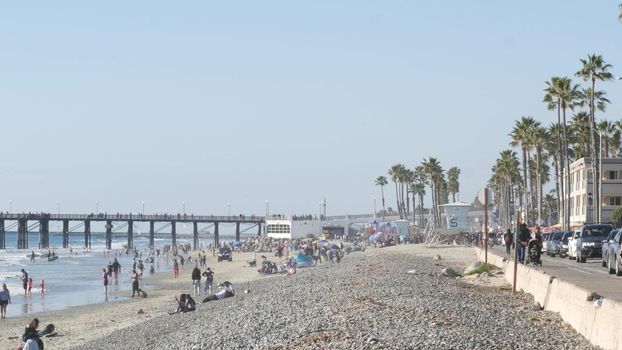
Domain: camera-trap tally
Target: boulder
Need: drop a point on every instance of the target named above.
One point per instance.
(449, 272)
(412, 272)
(436, 257)
(484, 275)
(474, 266)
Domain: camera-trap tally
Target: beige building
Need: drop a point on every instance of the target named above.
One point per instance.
(581, 190)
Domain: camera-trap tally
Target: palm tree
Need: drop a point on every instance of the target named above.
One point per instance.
(395, 174)
(522, 136)
(540, 135)
(594, 68)
(607, 130)
(418, 189)
(580, 129)
(434, 172)
(381, 181)
(562, 94)
(555, 152)
(505, 173)
(453, 181)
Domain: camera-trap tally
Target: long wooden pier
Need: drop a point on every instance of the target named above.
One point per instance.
(21, 221)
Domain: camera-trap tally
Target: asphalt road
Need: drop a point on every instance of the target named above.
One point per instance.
(589, 275)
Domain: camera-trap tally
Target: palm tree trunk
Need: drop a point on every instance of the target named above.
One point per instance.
(560, 147)
(525, 187)
(595, 149)
(556, 163)
(383, 210)
(539, 185)
(397, 198)
(567, 173)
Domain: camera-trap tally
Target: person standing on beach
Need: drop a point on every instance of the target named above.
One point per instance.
(32, 256)
(116, 268)
(42, 287)
(105, 279)
(30, 287)
(209, 280)
(24, 279)
(175, 268)
(196, 280)
(135, 287)
(5, 299)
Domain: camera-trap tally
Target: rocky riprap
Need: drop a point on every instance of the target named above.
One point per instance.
(393, 301)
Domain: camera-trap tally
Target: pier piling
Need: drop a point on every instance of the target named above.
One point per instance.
(2, 235)
(130, 234)
(195, 235)
(109, 234)
(44, 233)
(151, 234)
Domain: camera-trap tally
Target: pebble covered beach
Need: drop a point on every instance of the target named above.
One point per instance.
(390, 298)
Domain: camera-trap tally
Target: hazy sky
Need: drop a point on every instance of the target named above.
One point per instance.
(240, 102)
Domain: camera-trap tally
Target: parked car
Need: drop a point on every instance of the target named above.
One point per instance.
(609, 239)
(564, 244)
(224, 254)
(572, 244)
(589, 242)
(554, 243)
(614, 260)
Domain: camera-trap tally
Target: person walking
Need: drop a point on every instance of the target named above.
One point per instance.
(105, 280)
(135, 286)
(524, 236)
(196, 280)
(175, 268)
(508, 239)
(24, 279)
(209, 280)
(5, 299)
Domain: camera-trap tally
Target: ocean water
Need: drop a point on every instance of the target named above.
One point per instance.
(75, 278)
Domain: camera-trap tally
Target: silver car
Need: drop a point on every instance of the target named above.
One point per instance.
(614, 260)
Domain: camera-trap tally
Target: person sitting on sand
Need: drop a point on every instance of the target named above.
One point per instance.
(31, 336)
(185, 303)
(226, 291)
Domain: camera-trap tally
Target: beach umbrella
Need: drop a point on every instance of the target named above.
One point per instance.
(333, 246)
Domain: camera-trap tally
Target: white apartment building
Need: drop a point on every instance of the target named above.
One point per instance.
(581, 188)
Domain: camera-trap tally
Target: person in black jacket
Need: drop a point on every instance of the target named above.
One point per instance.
(508, 238)
(196, 280)
(524, 237)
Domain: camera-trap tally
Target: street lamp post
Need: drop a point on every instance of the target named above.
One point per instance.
(96, 207)
(10, 206)
(267, 208)
(229, 209)
(374, 207)
(143, 208)
(183, 207)
(58, 207)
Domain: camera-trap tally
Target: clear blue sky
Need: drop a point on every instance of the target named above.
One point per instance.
(239, 102)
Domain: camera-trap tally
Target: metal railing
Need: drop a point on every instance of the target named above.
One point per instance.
(133, 217)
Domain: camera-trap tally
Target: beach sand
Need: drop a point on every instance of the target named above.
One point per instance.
(79, 325)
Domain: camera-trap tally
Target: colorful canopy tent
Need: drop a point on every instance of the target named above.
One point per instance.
(302, 260)
(376, 236)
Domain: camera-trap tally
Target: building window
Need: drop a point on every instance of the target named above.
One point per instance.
(613, 201)
(612, 175)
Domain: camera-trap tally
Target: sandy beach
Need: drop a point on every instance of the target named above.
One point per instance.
(78, 325)
(384, 298)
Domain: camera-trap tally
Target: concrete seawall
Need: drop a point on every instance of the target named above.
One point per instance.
(600, 325)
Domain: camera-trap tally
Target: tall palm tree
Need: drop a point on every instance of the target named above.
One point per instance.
(540, 135)
(434, 172)
(505, 173)
(594, 68)
(418, 189)
(562, 94)
(395, 174)
(553, 151)
(453, 181)
(381, 181)
(607, 129)
(580, 129)
(522, 137)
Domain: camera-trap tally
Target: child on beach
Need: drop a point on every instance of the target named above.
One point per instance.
(30, 287)
(175, 268)
(105, 279)
(42, 287)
